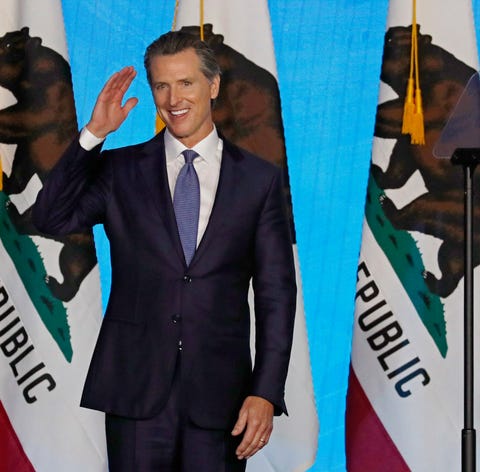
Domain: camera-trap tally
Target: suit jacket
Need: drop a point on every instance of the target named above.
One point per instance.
(156, 300)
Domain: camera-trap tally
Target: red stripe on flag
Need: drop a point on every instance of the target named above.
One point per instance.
(12, 455)
(368, 445)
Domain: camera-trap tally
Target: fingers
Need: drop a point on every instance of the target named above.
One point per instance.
(121, 77)
(117, 85)
(256, 421)
(252, 443)
(109, 113)
(241, 423)
(129, 104)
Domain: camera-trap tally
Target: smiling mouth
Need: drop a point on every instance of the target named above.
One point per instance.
(178, 112)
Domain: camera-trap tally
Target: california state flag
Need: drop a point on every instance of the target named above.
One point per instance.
(248, 113)
(405, 397)
(50, 307)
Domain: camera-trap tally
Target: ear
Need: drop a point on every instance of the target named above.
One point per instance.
(215, 87)
(425, 39)
(33, 43)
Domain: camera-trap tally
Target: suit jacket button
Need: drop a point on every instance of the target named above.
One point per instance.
(187, 279)
(176, 318)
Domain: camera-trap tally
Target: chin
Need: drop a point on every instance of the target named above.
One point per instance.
(179, 133)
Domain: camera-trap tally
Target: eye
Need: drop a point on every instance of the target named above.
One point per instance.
(187, 83)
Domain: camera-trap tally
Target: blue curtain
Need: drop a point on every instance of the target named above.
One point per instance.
(328, 56)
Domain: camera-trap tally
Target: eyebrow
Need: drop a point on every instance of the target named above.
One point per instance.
(184, 79)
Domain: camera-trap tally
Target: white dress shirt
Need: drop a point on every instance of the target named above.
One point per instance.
(207, 166)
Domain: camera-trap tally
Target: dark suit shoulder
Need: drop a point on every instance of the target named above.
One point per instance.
(138, 148)
(254, 162)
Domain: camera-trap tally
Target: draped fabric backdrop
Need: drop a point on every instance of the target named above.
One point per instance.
(328, 59)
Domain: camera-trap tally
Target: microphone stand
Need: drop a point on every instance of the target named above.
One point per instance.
(468, 158)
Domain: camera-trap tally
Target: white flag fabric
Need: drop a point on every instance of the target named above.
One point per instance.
(50, 303)
(248, 113)
(405, 398)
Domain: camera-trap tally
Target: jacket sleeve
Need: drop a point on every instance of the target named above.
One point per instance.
(275, 298)
(74, 195)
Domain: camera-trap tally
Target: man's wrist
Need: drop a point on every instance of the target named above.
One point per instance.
(88, 140)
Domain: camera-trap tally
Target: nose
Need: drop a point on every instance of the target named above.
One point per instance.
(173, 97)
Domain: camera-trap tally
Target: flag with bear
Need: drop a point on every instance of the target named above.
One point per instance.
(405, 397)
(248, 112)
(50, 304)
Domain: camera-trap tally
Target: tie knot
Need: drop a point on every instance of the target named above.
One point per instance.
(189, 155)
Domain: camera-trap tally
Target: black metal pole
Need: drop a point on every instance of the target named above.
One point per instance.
(468, 158)
(468, 432)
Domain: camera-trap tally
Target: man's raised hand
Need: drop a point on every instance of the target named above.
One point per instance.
(109, 113)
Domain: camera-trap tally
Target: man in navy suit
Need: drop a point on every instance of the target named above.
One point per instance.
(172, 367)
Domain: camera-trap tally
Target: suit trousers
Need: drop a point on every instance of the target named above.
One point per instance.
(169, 442)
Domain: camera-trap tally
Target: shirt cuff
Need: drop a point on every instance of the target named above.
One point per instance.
(88, 140)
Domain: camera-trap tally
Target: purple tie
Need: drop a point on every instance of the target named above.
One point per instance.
(186, 202)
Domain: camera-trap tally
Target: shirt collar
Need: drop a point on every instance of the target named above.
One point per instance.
(206, 148)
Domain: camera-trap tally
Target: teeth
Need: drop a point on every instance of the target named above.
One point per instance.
(178, 112)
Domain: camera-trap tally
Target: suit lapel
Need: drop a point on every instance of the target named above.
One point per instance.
(223, 204)
(153, 170)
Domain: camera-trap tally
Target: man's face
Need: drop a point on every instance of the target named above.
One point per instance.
(182, 95)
